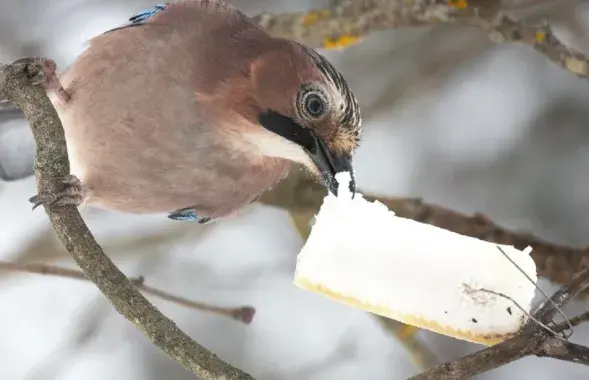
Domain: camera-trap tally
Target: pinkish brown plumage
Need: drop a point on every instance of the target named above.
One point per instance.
(195, 110)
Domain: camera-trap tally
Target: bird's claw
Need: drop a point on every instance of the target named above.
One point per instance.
(37, 69)
(43, 72)
(72, 193)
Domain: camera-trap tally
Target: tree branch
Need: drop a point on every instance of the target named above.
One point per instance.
(349, 21)
(52, 162)
(566, 351)
(243, 314)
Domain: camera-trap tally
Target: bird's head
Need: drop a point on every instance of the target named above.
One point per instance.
(309, 110)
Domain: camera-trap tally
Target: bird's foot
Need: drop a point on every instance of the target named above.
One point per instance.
(72, 193)
(190, 215)
(46, 77)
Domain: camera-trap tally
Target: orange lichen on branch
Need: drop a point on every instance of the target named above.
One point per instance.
(540, 36)
(313, 16)
(460, 4)
(340, 42)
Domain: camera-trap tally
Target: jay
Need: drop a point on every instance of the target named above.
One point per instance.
(193, 110)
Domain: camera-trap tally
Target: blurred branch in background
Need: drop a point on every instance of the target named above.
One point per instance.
(581, 318)
(243, 314)
(347, 22)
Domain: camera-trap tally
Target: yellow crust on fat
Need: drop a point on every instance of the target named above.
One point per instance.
(486, 339)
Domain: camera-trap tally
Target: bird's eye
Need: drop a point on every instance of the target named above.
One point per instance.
(314, 105)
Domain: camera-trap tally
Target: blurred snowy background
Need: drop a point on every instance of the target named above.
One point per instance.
(472, 127)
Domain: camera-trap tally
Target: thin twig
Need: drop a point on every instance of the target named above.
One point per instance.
(548, 309)
(243, 314)
(51, 162)
(528, 315)
(548, 299)
(575, 321)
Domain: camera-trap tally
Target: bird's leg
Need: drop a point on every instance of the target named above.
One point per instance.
(191, 215)
(72, 192)
(46, 77)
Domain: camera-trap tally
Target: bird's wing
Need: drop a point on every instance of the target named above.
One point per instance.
(142, 17)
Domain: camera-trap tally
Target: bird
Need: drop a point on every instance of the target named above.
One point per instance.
(194, 110)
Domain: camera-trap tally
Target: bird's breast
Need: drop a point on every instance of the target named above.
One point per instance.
(137, 137)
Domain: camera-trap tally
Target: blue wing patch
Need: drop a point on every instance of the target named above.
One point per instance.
(141, 17)
(188, 214)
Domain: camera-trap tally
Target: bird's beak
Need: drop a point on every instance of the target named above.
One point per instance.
(330, 163)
